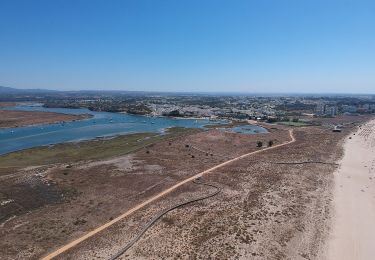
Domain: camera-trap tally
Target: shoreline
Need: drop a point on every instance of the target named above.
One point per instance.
(352, 226)
(103, 172)
(167, 131)
(7, 104)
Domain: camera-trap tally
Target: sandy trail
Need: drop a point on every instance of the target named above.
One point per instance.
(353, 226)
(158, 196)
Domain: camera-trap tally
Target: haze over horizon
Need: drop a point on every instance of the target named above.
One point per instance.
(189, 46)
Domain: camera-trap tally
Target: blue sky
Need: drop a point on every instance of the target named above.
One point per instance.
(189, 45)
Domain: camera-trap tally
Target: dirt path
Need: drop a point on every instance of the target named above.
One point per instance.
(158, 196)
(165, 211)
(353, 226)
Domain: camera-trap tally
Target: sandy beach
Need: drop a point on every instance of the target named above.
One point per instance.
(353, 224)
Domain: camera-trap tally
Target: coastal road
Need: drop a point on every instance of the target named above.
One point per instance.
(158, 196)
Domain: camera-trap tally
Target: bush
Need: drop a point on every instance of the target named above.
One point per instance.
(270, 143)
(271, 120)
(259, 144)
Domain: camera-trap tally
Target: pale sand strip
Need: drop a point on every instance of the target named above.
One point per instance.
(353, 226)
(156, 197)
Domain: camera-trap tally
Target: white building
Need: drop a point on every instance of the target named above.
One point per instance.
(320, 109)
(331, 110)
(349, 109)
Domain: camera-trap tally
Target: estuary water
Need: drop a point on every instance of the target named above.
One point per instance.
(101, 124)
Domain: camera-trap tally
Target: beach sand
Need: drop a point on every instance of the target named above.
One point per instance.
(353, 224)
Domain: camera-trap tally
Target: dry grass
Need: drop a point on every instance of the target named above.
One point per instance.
(264, 210)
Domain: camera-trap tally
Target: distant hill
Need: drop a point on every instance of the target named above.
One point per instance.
(8, 90)
(18, 91)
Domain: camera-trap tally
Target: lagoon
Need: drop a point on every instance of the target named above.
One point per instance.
(101, 124)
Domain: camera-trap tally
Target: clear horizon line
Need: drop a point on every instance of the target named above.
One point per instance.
(193, 91)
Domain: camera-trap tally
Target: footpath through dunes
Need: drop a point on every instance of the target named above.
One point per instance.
(160, 195)
(269, 205)
(265, 210)
(68, 190)
(353, 224)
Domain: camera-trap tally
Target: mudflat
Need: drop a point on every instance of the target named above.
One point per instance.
(353, 225)
(24, 118)
(7, 104)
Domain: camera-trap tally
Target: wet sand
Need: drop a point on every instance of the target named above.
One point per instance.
(353, 224)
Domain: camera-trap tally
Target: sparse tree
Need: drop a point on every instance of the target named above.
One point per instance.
(270, 143)
(259, 144)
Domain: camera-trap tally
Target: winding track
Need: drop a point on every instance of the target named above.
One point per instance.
(157, 196)
(162, 213)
